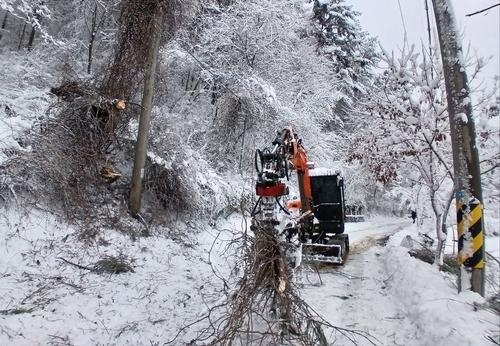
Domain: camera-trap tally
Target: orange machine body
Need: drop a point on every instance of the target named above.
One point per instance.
(298, 159)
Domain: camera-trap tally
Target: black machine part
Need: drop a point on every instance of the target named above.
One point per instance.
(328, 204)
(335, 251)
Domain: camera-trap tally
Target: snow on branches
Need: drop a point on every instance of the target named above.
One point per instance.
(341, 39)
(408, 110)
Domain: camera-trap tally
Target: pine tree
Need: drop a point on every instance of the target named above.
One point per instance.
(341, 38)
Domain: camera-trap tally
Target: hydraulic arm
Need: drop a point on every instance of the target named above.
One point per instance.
(320, 223)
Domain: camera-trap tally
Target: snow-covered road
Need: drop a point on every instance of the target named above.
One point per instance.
(364, 234)
(396, 299)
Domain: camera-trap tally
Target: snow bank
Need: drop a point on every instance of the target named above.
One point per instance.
(437, 313)
(394, 298)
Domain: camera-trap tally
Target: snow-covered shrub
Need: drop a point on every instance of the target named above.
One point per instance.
(261, 73)
(179, 177)
(24, 98)
(71, 147)
(168, 186)
(243, 117)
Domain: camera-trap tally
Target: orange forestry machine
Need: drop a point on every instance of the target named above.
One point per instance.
(317, 219)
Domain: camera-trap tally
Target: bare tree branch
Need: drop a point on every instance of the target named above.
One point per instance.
(491, 168)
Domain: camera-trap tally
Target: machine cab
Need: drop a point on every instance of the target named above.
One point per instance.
(328, 203)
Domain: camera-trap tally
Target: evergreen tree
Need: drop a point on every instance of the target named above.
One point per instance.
(341, 39)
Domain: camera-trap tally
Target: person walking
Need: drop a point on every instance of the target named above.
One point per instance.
(414, 215)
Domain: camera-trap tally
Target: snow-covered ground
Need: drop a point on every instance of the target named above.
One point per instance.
(44, 300)
(24, 98)
(397, 299)
(49, 294)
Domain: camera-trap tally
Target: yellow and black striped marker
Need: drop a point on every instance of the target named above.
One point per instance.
(470, 234)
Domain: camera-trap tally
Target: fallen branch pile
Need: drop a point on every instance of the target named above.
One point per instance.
(266, 308)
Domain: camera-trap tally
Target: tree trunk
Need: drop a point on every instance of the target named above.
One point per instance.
(147, 99)
(21, 39)
(92, 39)
(131, 54)
(4, 23)
(32, 37)
(438, 216)
(444, 231)
(463, 134)
(434, 188)
(242, 137)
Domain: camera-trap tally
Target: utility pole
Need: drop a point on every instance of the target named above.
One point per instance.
(467, 173)
(134, 202)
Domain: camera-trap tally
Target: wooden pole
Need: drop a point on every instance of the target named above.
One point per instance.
(147, 100)
(465, 153)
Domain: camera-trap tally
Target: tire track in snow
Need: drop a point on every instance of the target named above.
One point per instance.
(354, 295)
(363, 243)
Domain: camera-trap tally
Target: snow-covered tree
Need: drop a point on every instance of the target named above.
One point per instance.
(24, 8)
(409, 144)
(487, 111)
(31, 14)
(247, 72)
(341, 38)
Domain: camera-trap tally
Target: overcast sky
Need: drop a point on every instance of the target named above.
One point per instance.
(382, 18)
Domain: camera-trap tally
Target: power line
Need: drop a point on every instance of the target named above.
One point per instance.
(483, 10)
(429, 36)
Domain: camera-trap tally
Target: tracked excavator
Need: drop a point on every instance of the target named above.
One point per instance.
(316, 220)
